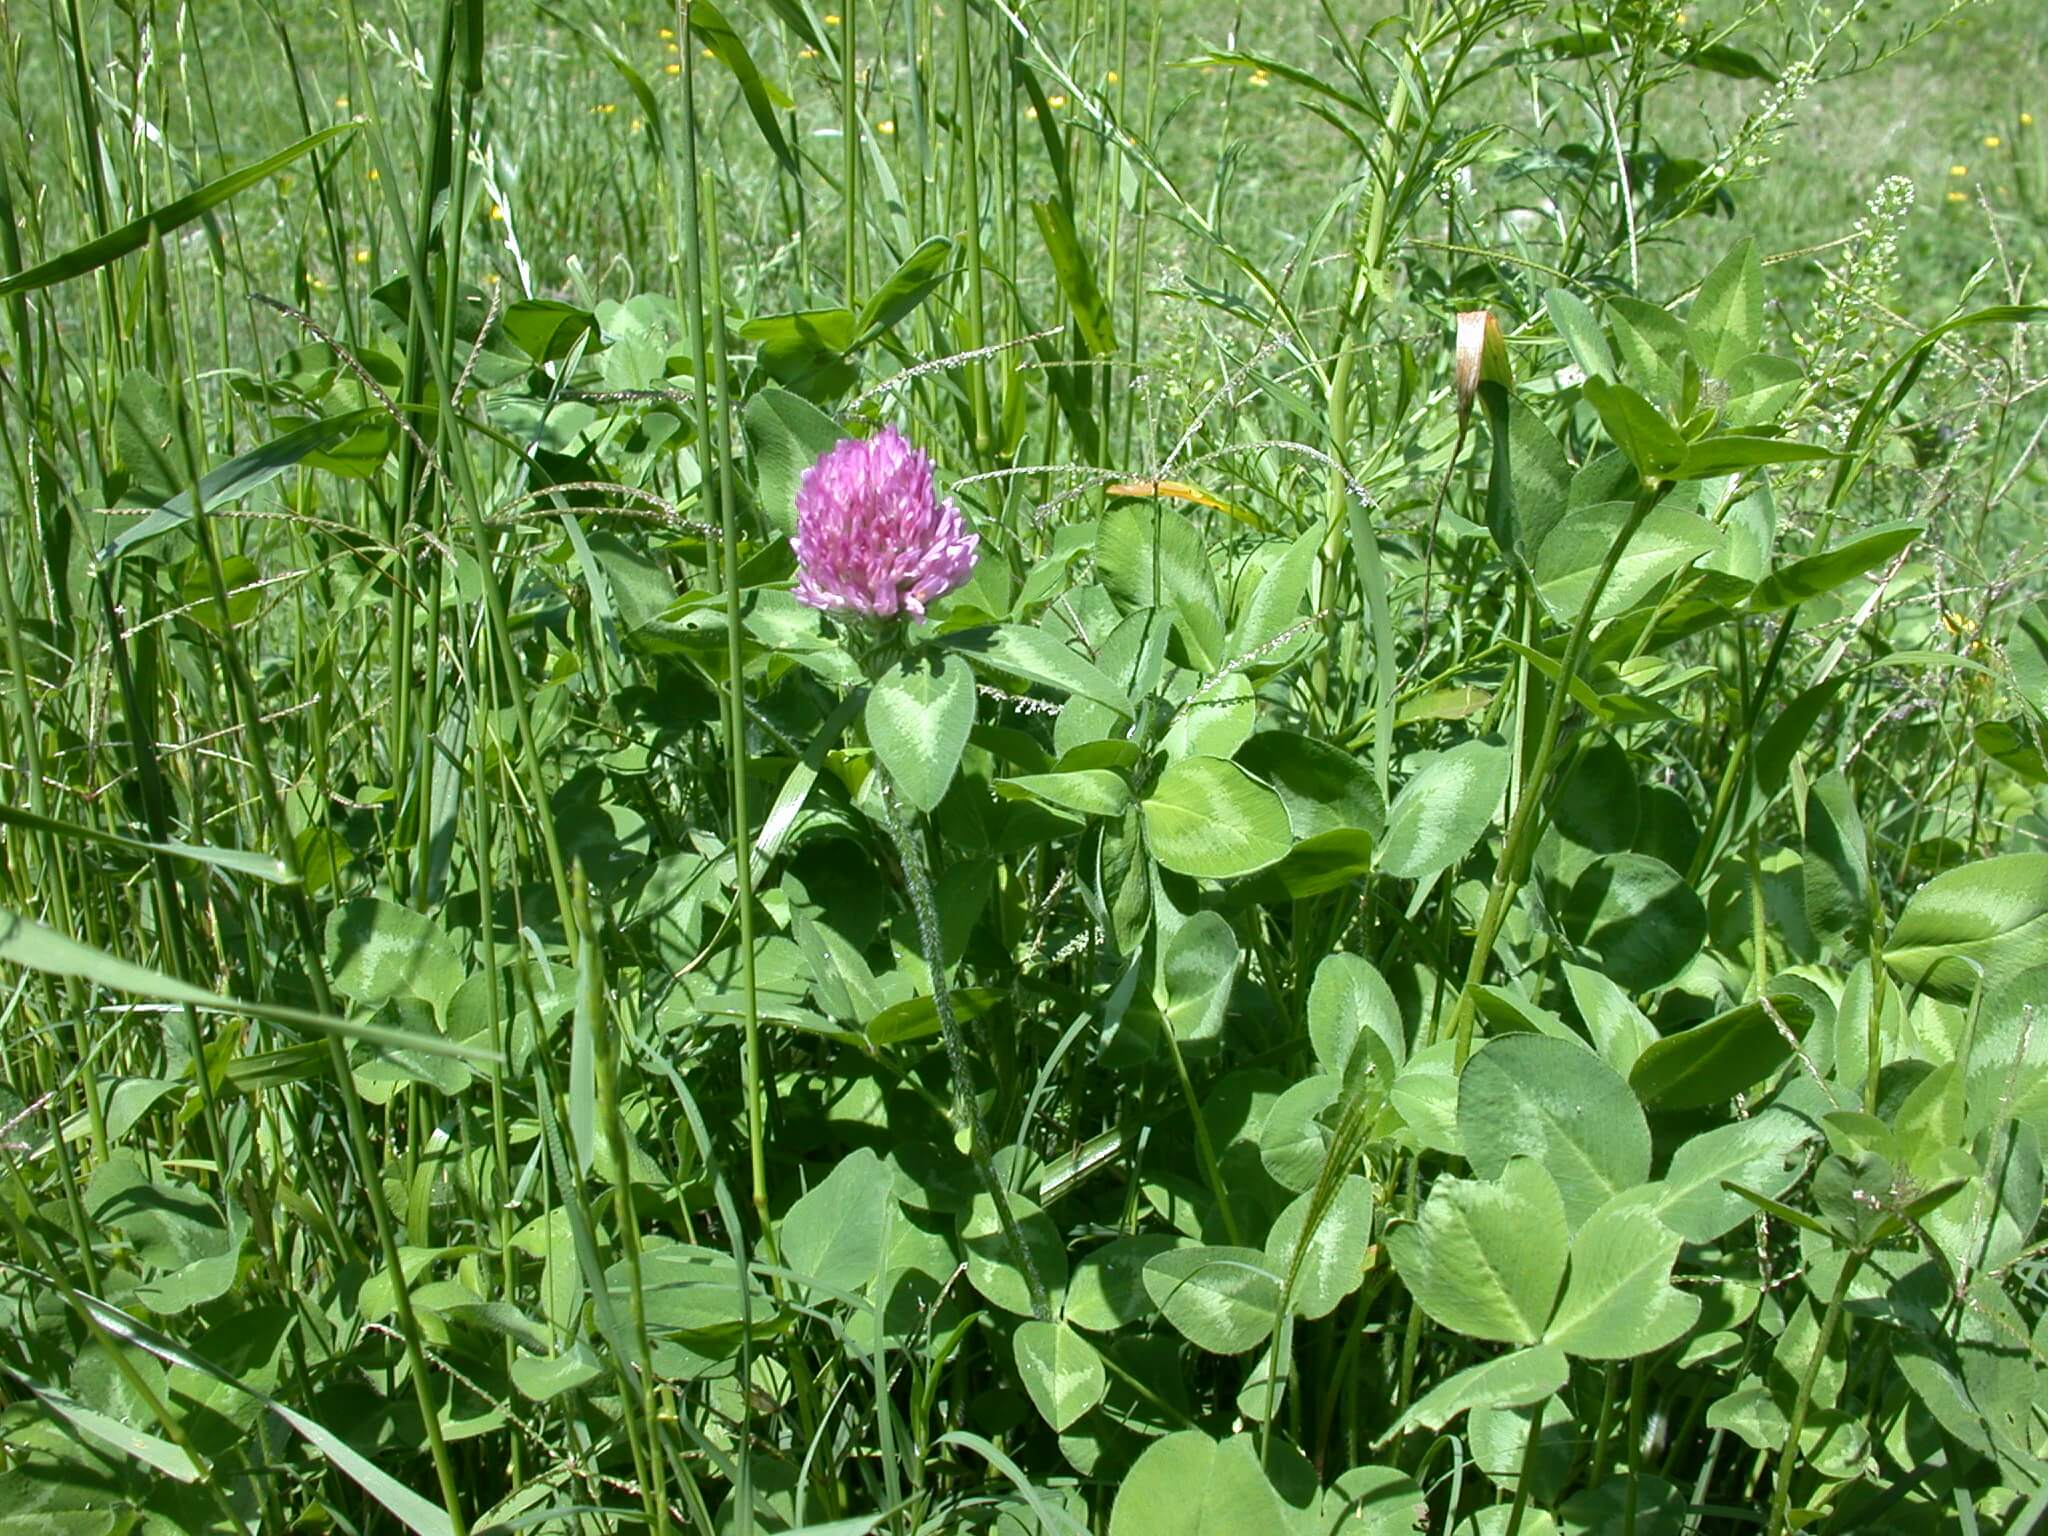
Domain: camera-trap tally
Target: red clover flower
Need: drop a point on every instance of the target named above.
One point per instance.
(872, 537)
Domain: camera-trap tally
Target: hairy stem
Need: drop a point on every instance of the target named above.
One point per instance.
(1788, 1462)
(924, 903)
(1507, 876)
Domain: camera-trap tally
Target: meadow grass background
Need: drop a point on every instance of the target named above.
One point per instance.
(505, 804)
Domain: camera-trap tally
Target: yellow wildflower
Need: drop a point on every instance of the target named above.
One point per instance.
(1991, 141)
(886, 125)
(666, 33)
(1959, 170)
(672, 69)
(362, 257)
(1958, 197)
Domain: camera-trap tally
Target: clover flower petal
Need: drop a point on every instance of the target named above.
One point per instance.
(872, 536)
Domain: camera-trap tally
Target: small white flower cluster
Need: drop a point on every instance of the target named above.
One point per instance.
(1850, 294)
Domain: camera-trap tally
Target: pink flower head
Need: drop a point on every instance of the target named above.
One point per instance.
(872, 536)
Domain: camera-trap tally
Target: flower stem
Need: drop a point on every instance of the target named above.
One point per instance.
(923, 902)
(1507, 874)
(1788, 1463)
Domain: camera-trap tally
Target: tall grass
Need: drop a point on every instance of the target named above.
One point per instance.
(467, 1038)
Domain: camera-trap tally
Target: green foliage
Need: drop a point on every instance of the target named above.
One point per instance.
(1380, 966)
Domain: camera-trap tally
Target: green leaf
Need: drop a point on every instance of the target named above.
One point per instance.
(785, 436)
(151, 425)
(915, 280)
(1712, 1062)
(1529, 486)
(1275, 605)
(1990, 916)
(1076, 275)
(378, 951)
(1619, 1301)
(408, 1508)
(1597, 804)
(27, 943)
(1035, 655)
(2026, 653)
(2012, 745)
(1638, 915)
(1349, 1005)
(1324, 788)
(805, 350)
(918, 717)
(1512, 1380)
(1293, 1142)
(1836, 868)
(990, 1268)
(173, 1229)
(1223, 1300)
(1553, 1100)
(1638, 429)
(1372, 1501)
(547, 330)
(1815, 574)
(1728, 453)
(1216, 724)
(917, 1018)
(162, 221)
(1788, 732)
(229, 482)
(1666, 541)
(1441, 813)
(764, 102)
(1759, 389)
(1330, 1265)
(234, 861)
(1208, 818)
(1085, 791)
(1186, 1484)
(1777, 1208)
(1148, 555)
(1486, 1259)
(1720, 59)
(1317, 865)
(1619, 1031)
(833, 1234)
(1726, 322)
(1579, 328)
(152, 1451)
(1651, 342)
(1200, 965)
(1108, 1288)
(1062, 1373)
(1765, 1152)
